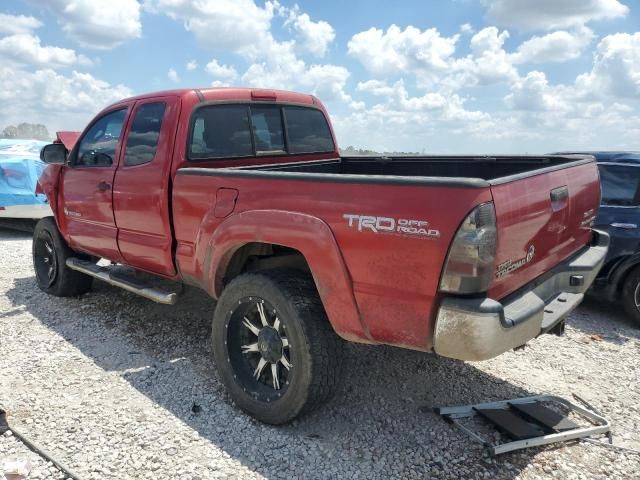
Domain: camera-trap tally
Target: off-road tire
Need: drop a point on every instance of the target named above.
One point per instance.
(316, 351)
(630, 295)
(65, 282)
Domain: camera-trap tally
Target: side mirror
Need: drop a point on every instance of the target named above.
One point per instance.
(54, 153)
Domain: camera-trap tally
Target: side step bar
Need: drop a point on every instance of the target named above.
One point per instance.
(527, 422)
(130, 284)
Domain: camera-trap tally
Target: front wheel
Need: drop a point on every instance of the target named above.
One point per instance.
(50, 253)
(274, 347)
(631, 295)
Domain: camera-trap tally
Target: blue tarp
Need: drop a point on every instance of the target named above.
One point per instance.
(20, 168)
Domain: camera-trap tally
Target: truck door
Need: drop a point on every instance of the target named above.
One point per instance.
(141, 195)
(87, 187)
(620, 210)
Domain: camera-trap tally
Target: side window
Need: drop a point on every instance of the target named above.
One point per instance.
(308, 130)
(221, 131)
(144, 134)
(620, 185)
(98, 146)
(267, 129)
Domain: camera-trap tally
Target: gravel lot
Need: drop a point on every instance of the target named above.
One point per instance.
(108, 384)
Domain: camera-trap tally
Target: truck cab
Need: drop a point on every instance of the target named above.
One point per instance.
(115, 182)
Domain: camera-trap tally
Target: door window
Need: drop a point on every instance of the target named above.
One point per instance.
(144, 134)
(620, 185)
(98, 146)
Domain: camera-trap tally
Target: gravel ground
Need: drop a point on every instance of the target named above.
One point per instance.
(117, 387)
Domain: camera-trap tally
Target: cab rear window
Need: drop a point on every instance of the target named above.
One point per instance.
(229, 131)
(308, 130)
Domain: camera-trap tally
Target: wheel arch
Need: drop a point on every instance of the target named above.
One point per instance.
(301, 234)
(621, 272)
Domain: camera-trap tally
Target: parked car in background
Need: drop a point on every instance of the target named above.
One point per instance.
(20, 168)
(619, 279)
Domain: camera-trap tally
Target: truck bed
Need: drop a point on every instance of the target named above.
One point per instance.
(543, 205)
(492, 169)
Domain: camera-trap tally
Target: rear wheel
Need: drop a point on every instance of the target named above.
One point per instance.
(274, 347)
(50, 253)
(631, 295)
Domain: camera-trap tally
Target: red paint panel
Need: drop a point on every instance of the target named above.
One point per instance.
(140, 200)
(395, 277)
(86, 213)
(68, 139)
(525, 217)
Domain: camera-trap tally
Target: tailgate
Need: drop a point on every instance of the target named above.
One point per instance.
(542, 219)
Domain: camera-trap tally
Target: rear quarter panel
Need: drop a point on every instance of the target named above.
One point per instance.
(394, 276)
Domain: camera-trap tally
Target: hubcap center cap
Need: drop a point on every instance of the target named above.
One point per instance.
(270, 344)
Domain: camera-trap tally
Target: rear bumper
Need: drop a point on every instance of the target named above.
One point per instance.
(481, 328)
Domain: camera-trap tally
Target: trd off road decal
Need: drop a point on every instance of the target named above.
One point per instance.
(387, 225)
(509, 266)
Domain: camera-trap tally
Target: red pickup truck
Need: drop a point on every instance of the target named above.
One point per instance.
(243, 193)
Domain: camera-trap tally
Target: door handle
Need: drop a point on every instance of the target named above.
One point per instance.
(626, 226)
(559, 198)
(104, 186)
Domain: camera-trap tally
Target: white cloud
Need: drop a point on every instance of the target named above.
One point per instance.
(219, 83)
(244, 28)
(26, 49)
(218, 70)
(398, 97)
(466, 28)
(173, 75)
(616, 68)
(239, 26)
(551, 14)
(533, 93)
(101, 25)
(487, 64)
(191, 65)
(404, 123)
(59, 101)
(316, 36)
(558, 46)
(326, 81)
(430, 56)
(595, 111)
(13, 24)
(397, 50)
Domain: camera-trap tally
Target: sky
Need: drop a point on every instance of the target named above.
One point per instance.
(432, 76)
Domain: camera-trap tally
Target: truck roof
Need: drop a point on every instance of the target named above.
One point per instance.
(619, 156)
(208, 94)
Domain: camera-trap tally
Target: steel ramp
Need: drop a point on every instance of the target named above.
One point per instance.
(527, 422)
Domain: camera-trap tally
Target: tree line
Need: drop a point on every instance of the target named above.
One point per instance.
(26, 131)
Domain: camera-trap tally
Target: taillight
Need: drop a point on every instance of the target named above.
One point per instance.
(469, 266)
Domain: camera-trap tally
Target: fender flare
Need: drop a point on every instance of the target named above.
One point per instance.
(309, 235)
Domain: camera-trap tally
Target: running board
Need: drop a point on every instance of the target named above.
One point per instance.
(527, 422)
(117, 279)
